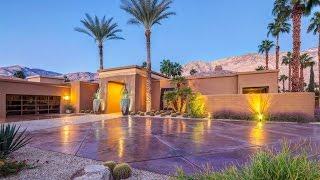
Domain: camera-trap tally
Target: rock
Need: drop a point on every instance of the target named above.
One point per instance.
(94, 172)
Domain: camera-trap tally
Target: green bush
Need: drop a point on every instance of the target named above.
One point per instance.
(122, 171)
(163, 114)
(8, 168)
(226, 114)
(152, 114)
(291, 117)
(158, 113)
(11, 139)
(132, 113)
(110, 164)
(266, 164)
(174, 115)
(185, 115)
(196, 106)
(141, 114)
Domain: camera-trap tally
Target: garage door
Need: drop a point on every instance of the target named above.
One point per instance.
(29, 104)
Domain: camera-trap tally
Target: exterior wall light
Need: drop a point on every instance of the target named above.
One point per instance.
(66, 98)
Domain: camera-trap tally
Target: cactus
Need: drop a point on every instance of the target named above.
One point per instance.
(122, 171)
(110, 165)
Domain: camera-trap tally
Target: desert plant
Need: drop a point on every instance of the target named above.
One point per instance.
(11, 139)
(311, 85)
(283, 79)
(291, 117)
(170, 69)
(132, 113)
(125, 101)
(8, 168)
(19, 74)
(228, 114)
(152, 114)
(265, 47)
(193, 72)
(141, 114)
(174, 115)
(122, 171)
(110, 164)
(196, 106)
(69, 108)
(259, 105)
(100, 30)
(260, 68)
(266, 164)
(147, 13)
(315, 28)
(287, 60)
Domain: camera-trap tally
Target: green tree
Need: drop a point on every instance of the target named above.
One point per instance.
(295, 9)
(287, 60)
(315, 28)
(144, 64)
(193, 72)
(265, 47)
(283, 79)
(305, 59)
(100, 30)
(170, 69)
(19, 74)
(260, 68)
(275, 28)
(311, 85)
(147, 13)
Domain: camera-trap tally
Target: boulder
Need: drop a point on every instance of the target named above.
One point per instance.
(94, 172)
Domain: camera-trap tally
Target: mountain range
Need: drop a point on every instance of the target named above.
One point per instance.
(247, 62)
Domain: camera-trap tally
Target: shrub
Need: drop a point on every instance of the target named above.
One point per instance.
(227, 114)
(291, 117)
(11, 139)
(196, 106)
(174, 115)
(110, 164)
(87, 111)
(82, 111)
(141, 114)
(10, 168)
(122, 171)
(158, 113)
(266, 164)
(185, 115)
(163, 114)
(69, 107)
(152, 114)
(132, 113)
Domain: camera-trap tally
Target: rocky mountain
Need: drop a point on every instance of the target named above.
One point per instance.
(248, 62)
(82, 76)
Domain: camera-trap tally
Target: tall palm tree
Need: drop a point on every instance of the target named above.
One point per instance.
(295, 9)
(277, 27)
(287, 60)
(311, 85)
(283, 79)
(100, 30)
(265, 47)
(147, 13)
(315, 28)
(305, 59)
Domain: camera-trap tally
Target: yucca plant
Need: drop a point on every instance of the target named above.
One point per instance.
(11, 139)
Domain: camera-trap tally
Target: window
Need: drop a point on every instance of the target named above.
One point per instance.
(255, 90)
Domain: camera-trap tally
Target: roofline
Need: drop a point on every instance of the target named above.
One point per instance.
(49, 77)
(34, 83)
(131, 67)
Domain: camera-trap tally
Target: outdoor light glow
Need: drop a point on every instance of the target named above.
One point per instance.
(259, 105)
(66, 98)
(257, 134)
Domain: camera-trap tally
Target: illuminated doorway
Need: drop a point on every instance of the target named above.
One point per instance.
(114, 97)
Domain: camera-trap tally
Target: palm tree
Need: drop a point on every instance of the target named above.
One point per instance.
(277, 27)
(295, 9)
(101, 30)
(260, 68)
(311, 85)
(315, 28)
(283, 79)
(287, 60)
(147, 13)
(305, 59)
(265, 47)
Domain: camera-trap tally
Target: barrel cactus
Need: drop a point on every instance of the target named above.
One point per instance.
(122, 171)
(110, 165)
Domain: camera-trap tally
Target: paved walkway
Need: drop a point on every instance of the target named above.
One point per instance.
(163, 144)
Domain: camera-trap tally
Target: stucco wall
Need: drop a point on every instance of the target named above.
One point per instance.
(258, 79)
(46, 80)
(279, 103)
(30, 88)
(82, 95)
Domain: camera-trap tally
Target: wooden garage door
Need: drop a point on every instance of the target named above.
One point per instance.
(29, 104)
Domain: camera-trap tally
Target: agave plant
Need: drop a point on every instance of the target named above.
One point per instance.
(11, 139)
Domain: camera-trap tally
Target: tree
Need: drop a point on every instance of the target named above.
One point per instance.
(311, 86)
(170, 69)
(277, 27)
(19, 74)
(100, 30)
(283, 79)
(193, 72)
(265, 47)
(295, 9)
(147, 13)
(287, 60)
(305, 59)
(66, 79)
(260, 68)
(144, 64)
(315, 28)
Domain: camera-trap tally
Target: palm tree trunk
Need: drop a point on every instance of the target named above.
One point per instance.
(283, 88)
(267, 60)
(319, 59)
(101, 55)
(296, 20)
(301, 78)
(148, 83)
(277, 53)
(290, 74)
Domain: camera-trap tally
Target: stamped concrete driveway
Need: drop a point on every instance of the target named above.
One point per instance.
(161, 145)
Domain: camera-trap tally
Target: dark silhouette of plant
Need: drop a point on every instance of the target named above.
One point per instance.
(305, 59)
(315, 28)
(283, 79)
(19, 74)
(11, 139)
(311, 85)
(100, 30)
(193, 72)
(147, 13)
(144, 64)
(265, 47)
(260, 68)
(170, 69)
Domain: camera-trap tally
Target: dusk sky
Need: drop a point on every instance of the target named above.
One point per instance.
(39, 33)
